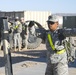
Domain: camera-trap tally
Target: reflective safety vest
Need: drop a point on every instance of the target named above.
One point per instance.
(51, 42)
(16, 26)
(52, 45)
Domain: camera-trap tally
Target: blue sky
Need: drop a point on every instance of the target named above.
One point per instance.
(55, 6)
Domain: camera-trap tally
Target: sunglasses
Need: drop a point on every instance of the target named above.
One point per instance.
(50, 22)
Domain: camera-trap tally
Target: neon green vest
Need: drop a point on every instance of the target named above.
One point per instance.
(53, 47)
(50, 41)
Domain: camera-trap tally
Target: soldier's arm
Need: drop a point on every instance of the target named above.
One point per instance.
(68, 32)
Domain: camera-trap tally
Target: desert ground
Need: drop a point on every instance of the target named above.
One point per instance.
(30, 62)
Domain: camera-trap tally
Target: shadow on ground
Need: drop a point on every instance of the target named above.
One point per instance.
(32, 55)
(72, 64)
(2, 61)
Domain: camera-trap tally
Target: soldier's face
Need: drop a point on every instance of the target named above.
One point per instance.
(53, 26)
(22, 20)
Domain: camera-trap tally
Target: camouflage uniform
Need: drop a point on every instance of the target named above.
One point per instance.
(57, 64)
(32, 33)
(10, 34)
(17, 38)
(23, 34)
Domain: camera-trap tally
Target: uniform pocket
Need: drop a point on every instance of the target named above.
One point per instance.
(55, 58)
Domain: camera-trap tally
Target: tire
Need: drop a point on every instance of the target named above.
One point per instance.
(34, 44)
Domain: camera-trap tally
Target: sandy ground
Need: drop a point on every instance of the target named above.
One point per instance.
(30, 62)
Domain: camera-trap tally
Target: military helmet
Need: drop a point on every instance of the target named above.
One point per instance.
(22, 18)
(53, 18)
(16, 18)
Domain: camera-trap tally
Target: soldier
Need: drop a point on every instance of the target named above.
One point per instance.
(10, 24)
(57, 63)
(32, 32)
(24, 32)
(17, 30)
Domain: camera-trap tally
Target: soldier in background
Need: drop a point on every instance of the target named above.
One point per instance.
(10, 24)
(17, 31)
(57, 63)
(24, 32)
(32, 32)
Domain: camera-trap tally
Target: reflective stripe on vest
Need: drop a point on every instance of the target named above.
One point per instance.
(60, 51)
(51, 42)
(16, 26)
(53, 47)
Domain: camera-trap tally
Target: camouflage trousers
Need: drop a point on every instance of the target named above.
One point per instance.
(17, 40)
(60, 68)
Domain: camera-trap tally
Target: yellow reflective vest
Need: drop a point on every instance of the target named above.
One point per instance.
(18, 23)
(51, 42)
(52, 45)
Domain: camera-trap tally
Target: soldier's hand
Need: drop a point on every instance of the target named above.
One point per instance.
(10, 30)
(60, 34)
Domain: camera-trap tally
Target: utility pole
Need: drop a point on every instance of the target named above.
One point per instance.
(6, 48)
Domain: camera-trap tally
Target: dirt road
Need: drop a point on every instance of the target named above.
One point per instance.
(30, 62)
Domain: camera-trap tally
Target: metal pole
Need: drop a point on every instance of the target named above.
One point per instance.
(6, 48)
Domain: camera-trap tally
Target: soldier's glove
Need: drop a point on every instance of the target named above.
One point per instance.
(60, 34)
(10, 30)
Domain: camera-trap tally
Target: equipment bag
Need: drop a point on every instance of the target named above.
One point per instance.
(70, 49)
(69, 45)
